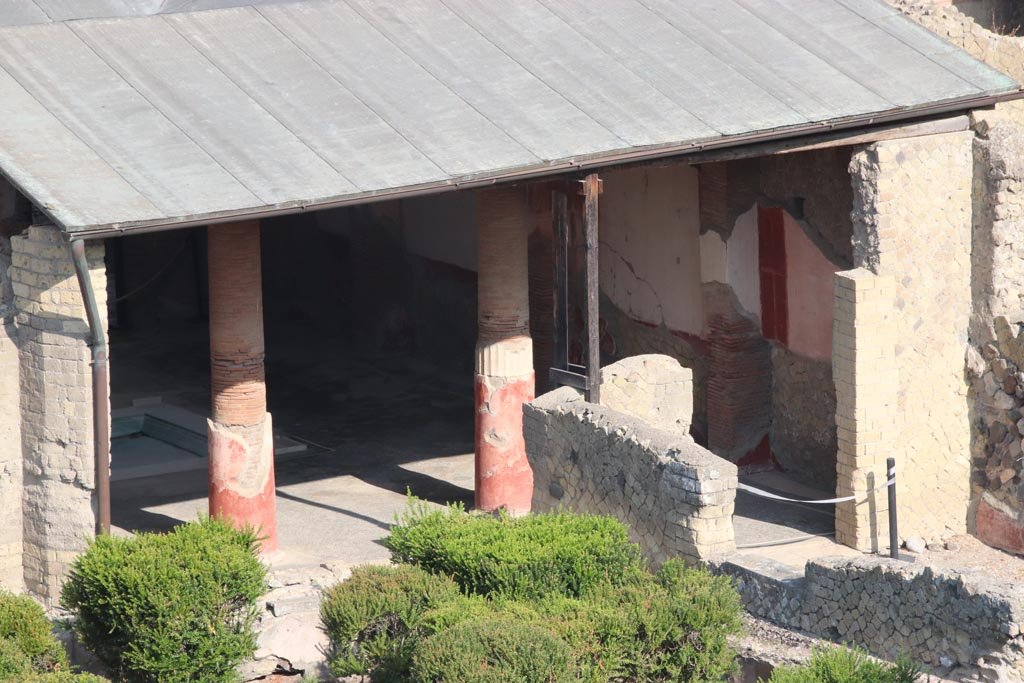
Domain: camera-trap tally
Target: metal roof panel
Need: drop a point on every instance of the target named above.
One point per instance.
(191, 116)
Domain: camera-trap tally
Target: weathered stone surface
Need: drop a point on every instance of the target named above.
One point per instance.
(56, 403)
(677, 497)
(653, 388)
(890, 608)
(912, 219)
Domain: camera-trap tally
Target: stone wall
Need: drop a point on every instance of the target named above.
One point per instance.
(996, 356)
(623, 337)
(803, 431)
(56, 403)
(962, 620)
(11, 574)
(1004, 52)
(677, 497)
(990, 31)
(996, 478)
(912, 222)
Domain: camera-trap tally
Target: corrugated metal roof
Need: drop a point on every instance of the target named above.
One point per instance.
(20, 12)
(138, 122)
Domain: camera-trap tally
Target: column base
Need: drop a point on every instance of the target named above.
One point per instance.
(242, 487)
(503, 475)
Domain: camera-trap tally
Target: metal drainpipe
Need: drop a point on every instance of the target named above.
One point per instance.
(100, 402)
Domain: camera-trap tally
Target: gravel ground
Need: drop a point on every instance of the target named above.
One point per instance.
(966, 553)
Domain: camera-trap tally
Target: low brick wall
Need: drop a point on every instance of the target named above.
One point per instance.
(963, 620)
(677, 497)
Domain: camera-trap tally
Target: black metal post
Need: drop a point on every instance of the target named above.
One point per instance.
(894, 536)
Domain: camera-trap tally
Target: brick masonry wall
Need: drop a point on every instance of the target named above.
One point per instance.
(912, 222)
(677, 497)
(56, 403)
(962, 620)
(865, 372)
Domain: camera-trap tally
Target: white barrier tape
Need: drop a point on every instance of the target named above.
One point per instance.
(827, 501)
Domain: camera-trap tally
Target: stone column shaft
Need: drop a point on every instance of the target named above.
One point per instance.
(504, 354)
(240, 431)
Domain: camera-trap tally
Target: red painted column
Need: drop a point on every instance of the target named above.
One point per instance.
(504, 353)
(240, 431)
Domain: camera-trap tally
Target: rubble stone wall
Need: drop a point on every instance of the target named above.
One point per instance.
(1004, 51)
(912, 221)
(677, 497)
(56, 403)
(964, 620)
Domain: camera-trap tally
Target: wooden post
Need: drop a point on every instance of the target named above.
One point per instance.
(591, 189)
(560, 217)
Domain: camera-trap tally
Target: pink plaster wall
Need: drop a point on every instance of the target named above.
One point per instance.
(809, 290)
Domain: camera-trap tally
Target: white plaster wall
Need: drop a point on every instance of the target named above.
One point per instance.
(442, 228)
(650, 246)
(735, 262)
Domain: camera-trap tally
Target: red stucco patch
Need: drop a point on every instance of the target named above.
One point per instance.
(503, 475)
(999, 530)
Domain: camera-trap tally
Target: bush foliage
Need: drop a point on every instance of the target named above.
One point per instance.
(28, 634)
(563, 584)
(29, 652)
(173, 607)
(375, 617)
(521, 557)
(846, 665)
(493, 650)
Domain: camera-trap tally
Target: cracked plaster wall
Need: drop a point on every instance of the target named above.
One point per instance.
(794, 380)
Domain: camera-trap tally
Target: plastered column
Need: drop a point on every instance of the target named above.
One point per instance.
(504, 353)
(58, 467)
(240, 431)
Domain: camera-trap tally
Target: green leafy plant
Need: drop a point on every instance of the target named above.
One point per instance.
(176, 607)
(62, 677)
(523, 557)
(15, 665)
(375, 618)
(846, 665)
(28, 633)
(557, 580)
(493, 650)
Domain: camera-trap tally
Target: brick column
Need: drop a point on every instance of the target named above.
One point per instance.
(240, 431)
(504, 354)
(56, 404)
(864, 369)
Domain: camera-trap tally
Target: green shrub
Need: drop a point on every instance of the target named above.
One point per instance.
(15, 665)
(374, 619)
(493, 651)
(672, 626)
(23, 624)
(63, 677)
(846, 665)
(170, 607)
(523, 557)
